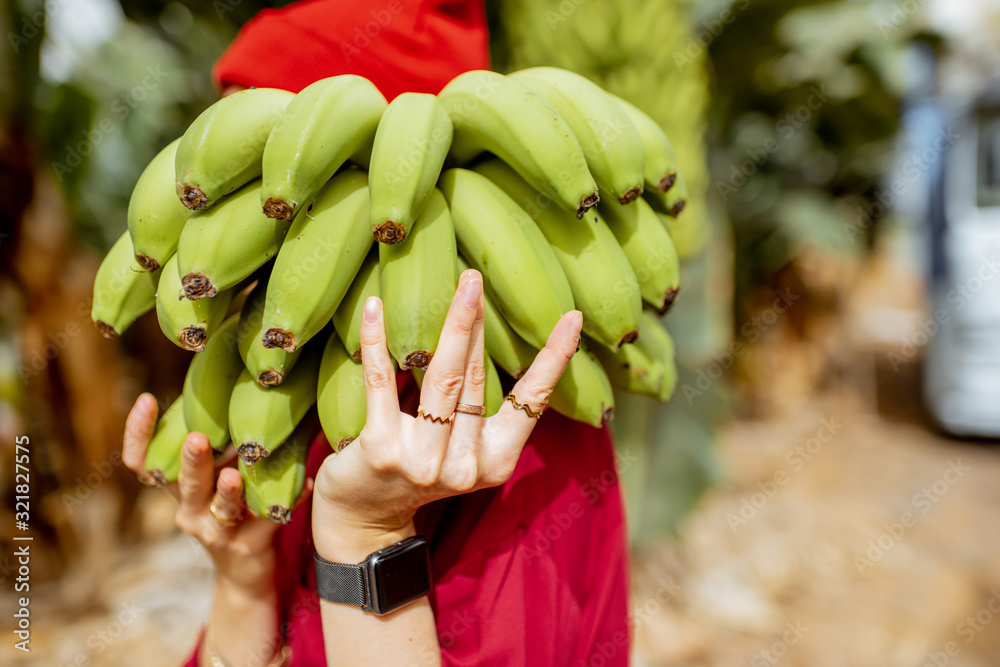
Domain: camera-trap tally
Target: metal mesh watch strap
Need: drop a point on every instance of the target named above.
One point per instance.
(343, 584)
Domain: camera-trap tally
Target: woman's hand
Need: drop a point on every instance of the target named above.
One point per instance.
(366, 495)
(242, 552)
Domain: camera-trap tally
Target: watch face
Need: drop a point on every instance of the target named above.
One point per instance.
(401, 575)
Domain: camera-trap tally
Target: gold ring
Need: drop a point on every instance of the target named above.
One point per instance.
(224, 521)
(466, 409)
(437, 420)
(518, 405)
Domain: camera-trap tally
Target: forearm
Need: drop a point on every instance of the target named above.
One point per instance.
(244, 625)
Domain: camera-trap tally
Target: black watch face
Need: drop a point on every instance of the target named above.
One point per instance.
(401, 577)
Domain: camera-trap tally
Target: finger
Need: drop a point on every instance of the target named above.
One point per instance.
(139, 428)
(196, 480)
(228, 500)
(382, 413)
(225, 458)
(508, 430)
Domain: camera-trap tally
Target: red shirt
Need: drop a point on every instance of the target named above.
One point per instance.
(534, 572)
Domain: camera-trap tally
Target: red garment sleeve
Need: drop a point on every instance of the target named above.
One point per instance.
(399, 45)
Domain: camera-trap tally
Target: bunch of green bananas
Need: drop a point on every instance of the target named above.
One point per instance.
(259, 234)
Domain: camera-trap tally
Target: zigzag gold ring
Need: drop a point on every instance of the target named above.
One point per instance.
(528, 410)
(437, 420)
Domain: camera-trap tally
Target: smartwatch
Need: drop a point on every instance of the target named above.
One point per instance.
(387, 580)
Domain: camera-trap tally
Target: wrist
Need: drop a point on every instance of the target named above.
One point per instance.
(341, 541)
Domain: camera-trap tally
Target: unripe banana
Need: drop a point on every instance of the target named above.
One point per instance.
(520, 272)
(155, 217)
(123, 290)
(268, 365)
(661, 165)
(410, 146)
(584, 392)
(319, 130)
(649, 250)
(604, 285)
(491, 112)
(507, 349)
(609, 140)
(347, 317)
(494, 390)
(341, 395)
(658, 344)
(209, 383)
(260, 418)
(326, 246)
(673, 201)
(272, 486)
(418, 282)
(223, 147)
(186, 323)
(222, 246)
(163, 456)
(631, 369)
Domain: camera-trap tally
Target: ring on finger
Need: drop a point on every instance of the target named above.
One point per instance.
(223, 520)
(528, 410)
(437, 420)
(466, 409)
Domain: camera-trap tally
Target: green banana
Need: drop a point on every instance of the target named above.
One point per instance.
(649, 250)
(318, 131)
(224, 245)
(501, 241)
(163, 456)
(410, 146)
(671, 202)
(155, 217)
(610, 141)
(661, 165)
(584, 391)
(326, 246)
(260, 418)
(268, 365)
(186, 323)
(507, 349)
(418, 282)
(272, 486)
(209, 382)
(494, 390)
(493, 113)
(632, 369)
(658, 344)
(123, 290)
(347, 317)
(223, 148)
(604, 285)
(341, 395)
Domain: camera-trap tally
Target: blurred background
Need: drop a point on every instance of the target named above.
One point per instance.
(821, 488)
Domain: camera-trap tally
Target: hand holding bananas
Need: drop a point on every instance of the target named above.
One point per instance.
(260, 234)
(367, 494)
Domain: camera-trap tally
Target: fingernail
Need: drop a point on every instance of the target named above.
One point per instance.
(189, 450)
(372, 307)
(473, 289)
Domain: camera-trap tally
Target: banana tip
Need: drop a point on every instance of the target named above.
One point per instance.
(251, 452)
(668, 300)
(357, 355)
(587, 203)
(147, 262)
(676, 209)
(275, 337)
(279, 514)
(270, 378)
(390, 233)
(630, 195)
(278, 209)
(198, 286)
(154, 478)
(343, 443)
(106, 329)
(193, 338)
(667, 181)
(607, 415)
(629, 337)
(193, 197)
(417, 359)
